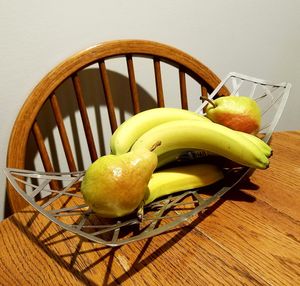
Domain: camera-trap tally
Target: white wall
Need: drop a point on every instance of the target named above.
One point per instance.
(259, 38)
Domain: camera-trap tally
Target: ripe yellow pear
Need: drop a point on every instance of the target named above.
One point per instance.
(236, 112)
(115, 185)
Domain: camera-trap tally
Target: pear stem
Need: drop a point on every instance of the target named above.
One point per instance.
(140, 211)
(155, 145)
(209, 100)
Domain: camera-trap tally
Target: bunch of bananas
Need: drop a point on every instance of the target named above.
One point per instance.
(171, 132)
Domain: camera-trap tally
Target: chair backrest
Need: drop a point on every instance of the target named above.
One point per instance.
(52, 93)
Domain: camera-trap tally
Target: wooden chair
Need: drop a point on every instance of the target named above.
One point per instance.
(31, 122)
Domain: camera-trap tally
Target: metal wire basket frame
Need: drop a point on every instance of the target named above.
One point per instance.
(66, 206)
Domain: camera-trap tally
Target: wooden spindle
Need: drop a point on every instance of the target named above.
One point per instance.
(108, 96)
(183, 92)
(62, 131)
(84, 117)
(204, 93)
(40, 142)
(132, 84)
(158, 82)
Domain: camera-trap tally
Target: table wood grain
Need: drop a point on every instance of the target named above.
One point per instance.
(251, 236)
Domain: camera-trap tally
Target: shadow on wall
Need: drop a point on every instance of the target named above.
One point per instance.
(93, 93)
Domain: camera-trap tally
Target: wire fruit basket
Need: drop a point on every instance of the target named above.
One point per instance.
(66, 207)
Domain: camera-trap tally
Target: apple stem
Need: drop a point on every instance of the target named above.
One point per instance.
(209, 100)
(155, 145)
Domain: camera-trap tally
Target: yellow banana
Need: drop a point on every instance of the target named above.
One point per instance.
(180, 154)
(131, 129)
(209, 136)
(181, 178)
(258, 142)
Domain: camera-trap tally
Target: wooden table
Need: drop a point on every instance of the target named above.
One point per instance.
(249, 237)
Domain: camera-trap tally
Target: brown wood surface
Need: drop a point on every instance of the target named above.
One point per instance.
(249, 237)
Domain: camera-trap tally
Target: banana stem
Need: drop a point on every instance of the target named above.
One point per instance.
(209, 100)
